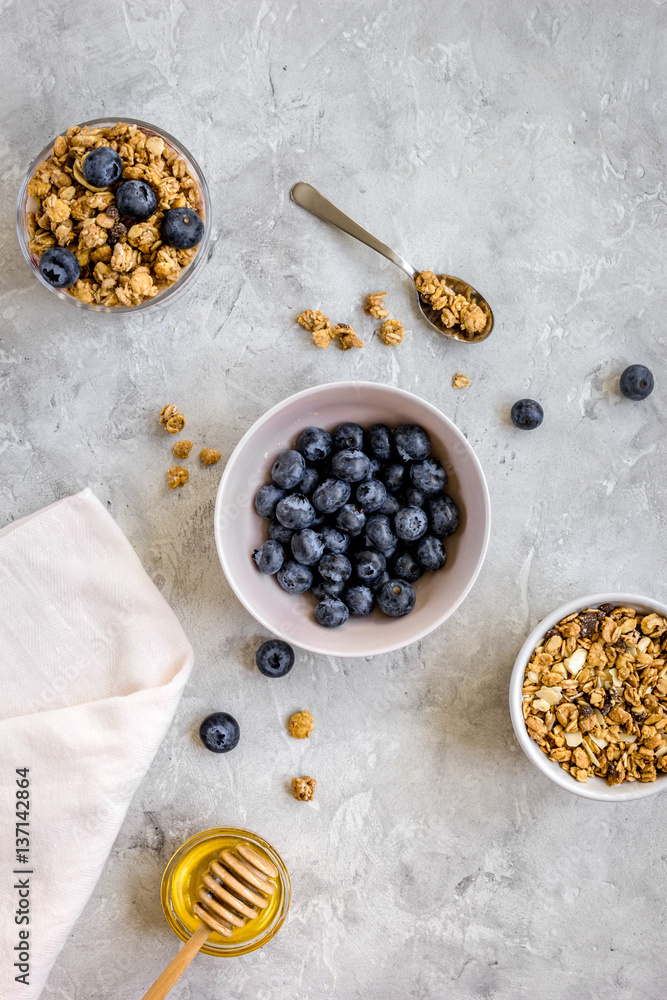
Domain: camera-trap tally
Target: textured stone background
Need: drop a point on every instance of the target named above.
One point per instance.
(520, 146)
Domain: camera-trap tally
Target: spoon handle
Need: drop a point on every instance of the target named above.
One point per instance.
(307, 197)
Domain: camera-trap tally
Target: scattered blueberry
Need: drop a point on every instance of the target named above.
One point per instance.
(294, 577)
(359, 600)
(269, 557)
(288, 469)
(102, 167)
(331, 612)
(443, 515)
(349, 518)
(411, 523)
(527, 414)
(396, 598)
(637, 382)
(136, 200)
(307, 546)
(393, 476)
(412, 442)
(274, 658)
(267, 499)
(279, 533)
(295, 511)
(369, 565)
(314, 443)
(379, 533)
(334, 567)
(182, 228)
(431, 553)
(380, 442)
(390, 506)
(59, 267)
(335, 540)
(351, 466)
(407, 568)
(327, 588)
(370, 495)
(331, 495)
(348, 435)
(219, 732)
(309, 481)
(428, 475)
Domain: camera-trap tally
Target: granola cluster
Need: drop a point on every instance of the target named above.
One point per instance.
(324, 332)
(174, 422)
(595, 694)
(301, 725)
(392, 329)
(303, 788)
(121, 264)
(454, 310)
(460, 381)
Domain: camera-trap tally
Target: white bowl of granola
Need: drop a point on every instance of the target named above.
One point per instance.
(123, 266)
(588, 697)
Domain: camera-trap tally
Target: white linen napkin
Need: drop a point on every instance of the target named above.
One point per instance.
(92, 665)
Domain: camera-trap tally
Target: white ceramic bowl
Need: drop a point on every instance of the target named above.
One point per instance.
(596, 788)
(239, 530)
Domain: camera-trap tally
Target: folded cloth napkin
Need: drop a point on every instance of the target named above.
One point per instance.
(92, 665)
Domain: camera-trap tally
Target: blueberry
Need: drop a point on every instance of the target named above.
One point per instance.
(428, 475)
(295, 511)
(414, 497)
(393, 476)
(350, 465)
(411, 523)
(396, 598)
(380, 442)
(443, 515)
(314, 443)
(274, 658)
(279, 533)
(390, 507)
(331, 612)
(59, 267)
(267, 499)
(370, 495)
(350, 519)
(431, 553)
(331, 495)
(327, 588)
(335, 540)
(637, 382)
(136, 200)
(359, 600)
(379, 533)
(412, 442)
(102, 167)
(334, 567)
(318, 522)
(375, 466)
(307, 546)
(407, 568)
(527, 414)
(295, 578)
(219, 732)
(348, 436)
(182, 228)
(369, 565)
(269, 557)
(309, 482)
(288, 469)
(380, 582)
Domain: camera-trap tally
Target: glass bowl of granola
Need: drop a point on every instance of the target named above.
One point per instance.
(588, 697)
(118, 262)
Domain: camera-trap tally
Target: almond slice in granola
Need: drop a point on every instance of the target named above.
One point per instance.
(575, 662)
(573, 739)
(551, 695)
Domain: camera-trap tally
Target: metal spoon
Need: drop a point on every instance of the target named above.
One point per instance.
(307, 197)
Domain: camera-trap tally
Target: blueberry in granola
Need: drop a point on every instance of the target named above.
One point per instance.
(182, 228)
(136, 200)
(102, 167)
(59, 267)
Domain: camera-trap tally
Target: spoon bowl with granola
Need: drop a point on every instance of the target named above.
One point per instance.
(114, 216)
(449, 304)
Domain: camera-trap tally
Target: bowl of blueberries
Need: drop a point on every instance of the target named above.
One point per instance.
(352, 519)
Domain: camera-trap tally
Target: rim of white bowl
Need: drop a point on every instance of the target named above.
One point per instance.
(303, 394)
(596, 788)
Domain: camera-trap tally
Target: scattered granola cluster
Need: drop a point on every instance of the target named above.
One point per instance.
(460, 381)
(455, 310)
(595, 694)
(303, 788)
(174, 422)
(323, 332)
(121, 265)
(301, 725)
(392, 329)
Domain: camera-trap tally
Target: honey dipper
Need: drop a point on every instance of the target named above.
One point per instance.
(233, 890)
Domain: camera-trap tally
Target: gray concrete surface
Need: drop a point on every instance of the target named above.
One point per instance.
(520, 145)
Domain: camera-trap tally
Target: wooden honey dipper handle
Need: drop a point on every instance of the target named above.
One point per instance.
(178, 965)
